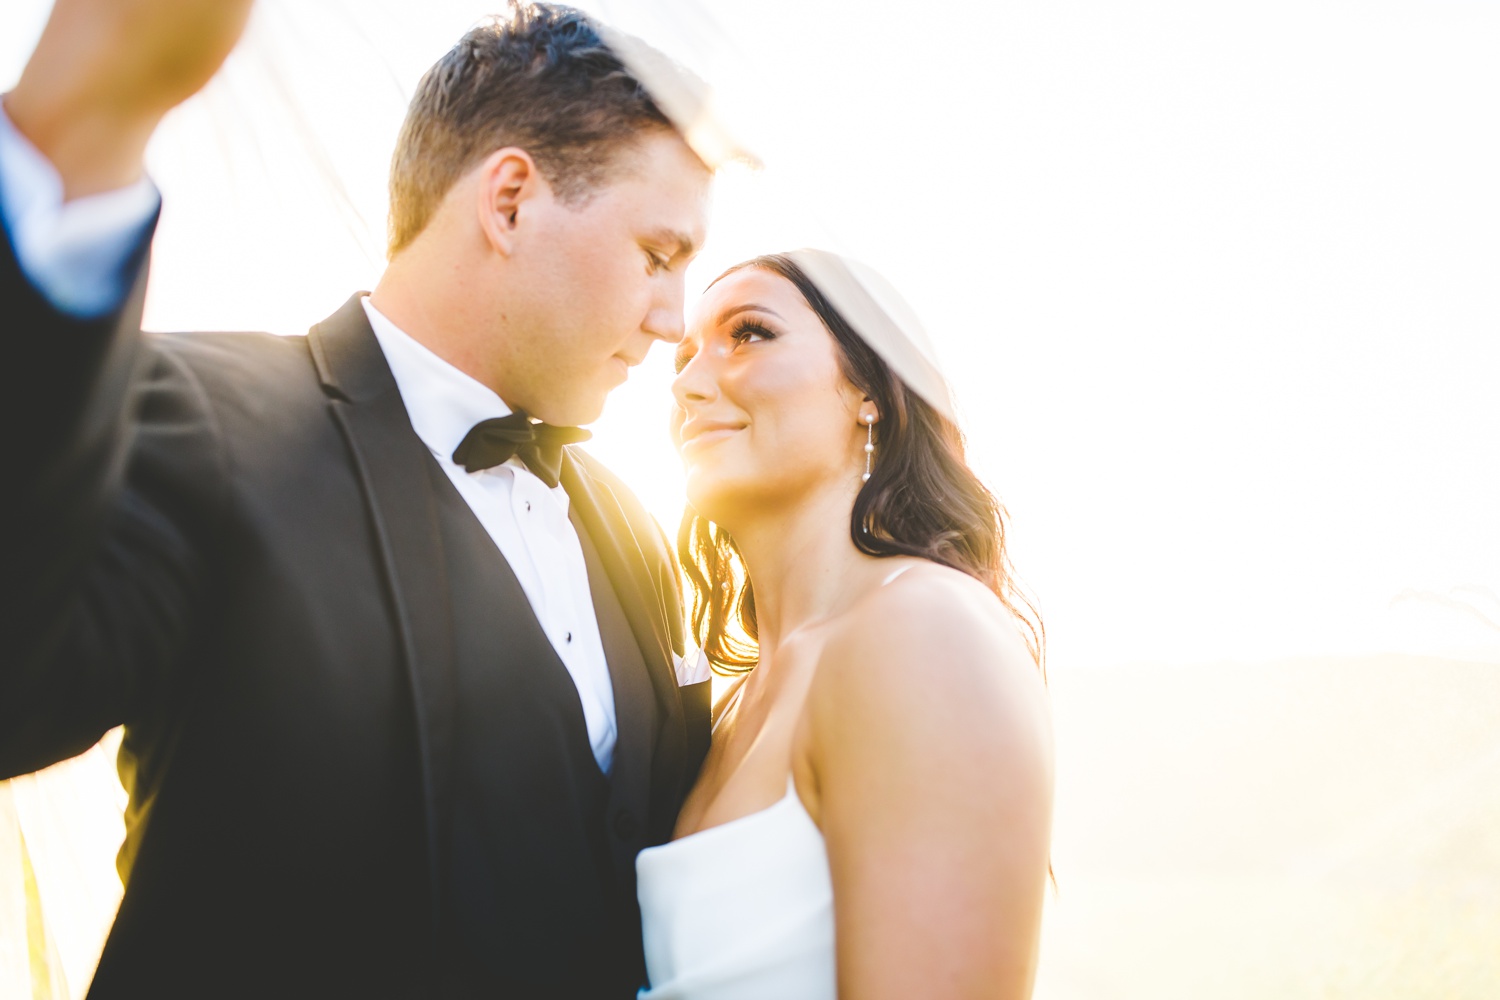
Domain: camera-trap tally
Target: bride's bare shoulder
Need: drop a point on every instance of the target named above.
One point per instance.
(945, 619)
(933, 644)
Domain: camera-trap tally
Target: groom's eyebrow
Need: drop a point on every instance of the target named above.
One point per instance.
(733, 311)
(682, 244)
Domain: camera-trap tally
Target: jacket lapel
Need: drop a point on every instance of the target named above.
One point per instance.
(634, 697)
(395, 472)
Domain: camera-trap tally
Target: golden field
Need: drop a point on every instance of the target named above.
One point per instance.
(1319, 828)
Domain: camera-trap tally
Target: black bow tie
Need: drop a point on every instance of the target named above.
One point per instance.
(494, 442)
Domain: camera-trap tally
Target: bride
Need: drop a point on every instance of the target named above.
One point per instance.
(873, 817)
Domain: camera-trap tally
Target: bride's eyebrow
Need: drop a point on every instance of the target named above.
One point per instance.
(733, 311)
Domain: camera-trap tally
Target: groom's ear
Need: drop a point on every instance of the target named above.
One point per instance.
(508, 181)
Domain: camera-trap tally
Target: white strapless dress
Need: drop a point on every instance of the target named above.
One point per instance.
(740, 911)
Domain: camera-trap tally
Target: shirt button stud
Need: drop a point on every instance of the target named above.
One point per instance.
(528, 504)
(568, 637)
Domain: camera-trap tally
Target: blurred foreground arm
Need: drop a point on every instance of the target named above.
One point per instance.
(86, 565)
(74, 200)
(104, 74)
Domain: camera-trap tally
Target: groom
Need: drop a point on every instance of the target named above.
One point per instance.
(395, 663)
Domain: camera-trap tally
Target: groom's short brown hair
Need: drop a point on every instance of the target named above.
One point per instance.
(541, 79)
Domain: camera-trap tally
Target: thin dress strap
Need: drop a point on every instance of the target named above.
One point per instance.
(898, 571)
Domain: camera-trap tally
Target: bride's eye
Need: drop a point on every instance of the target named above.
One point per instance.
(680, 361)
(746, 329)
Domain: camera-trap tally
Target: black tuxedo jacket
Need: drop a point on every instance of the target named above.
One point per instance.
(236, 546)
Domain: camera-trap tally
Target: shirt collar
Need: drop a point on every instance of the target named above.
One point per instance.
(442, 402)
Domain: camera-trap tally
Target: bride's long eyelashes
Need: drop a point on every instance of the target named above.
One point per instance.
(740, 334)
(747, 328)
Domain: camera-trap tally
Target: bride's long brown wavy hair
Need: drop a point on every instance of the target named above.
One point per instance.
(922, 499)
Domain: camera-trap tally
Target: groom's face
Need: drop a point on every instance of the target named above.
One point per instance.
(601, 280)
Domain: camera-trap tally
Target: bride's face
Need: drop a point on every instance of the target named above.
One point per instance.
(765, 417)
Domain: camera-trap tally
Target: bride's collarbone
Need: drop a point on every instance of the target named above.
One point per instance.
(744, 794)
(763, 734)
(754, 749)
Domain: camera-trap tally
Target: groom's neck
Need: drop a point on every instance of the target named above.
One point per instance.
(437, 302)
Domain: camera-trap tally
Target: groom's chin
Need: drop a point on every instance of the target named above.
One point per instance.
(578, 410)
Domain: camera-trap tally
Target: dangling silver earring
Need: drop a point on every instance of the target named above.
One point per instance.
(869, 445)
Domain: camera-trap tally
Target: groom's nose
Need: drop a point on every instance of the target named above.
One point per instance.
(665, 320)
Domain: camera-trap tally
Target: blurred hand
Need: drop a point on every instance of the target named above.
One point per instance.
(106, 71)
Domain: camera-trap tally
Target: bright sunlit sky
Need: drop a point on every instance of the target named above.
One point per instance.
(1216, 284)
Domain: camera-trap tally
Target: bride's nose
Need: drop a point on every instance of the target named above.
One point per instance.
(695, 384)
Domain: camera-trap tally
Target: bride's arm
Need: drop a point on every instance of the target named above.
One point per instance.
(930, 738)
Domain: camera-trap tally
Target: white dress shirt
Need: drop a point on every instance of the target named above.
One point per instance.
(527, 520)
(76, 254)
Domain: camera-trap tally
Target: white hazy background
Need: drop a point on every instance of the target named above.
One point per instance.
(1216, 285)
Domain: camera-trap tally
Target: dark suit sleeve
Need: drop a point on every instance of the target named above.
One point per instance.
(103, 564)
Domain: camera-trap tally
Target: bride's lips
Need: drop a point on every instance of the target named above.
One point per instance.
(701, 433)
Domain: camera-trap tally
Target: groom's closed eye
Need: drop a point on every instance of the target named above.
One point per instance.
(681, 358)
(670, 247)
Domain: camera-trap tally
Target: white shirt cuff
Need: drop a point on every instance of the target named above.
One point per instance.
(77, 252)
